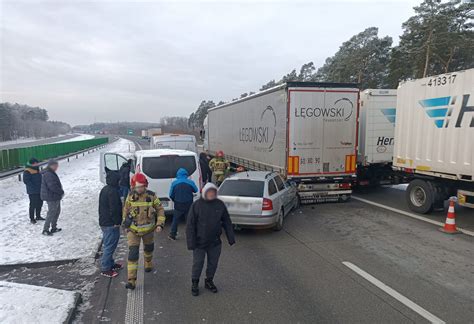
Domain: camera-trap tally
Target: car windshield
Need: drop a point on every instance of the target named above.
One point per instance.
(165, 167)
(242, 188)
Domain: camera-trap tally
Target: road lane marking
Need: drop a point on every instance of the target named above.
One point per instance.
(399, 211)
(395, 294)
(134, 310)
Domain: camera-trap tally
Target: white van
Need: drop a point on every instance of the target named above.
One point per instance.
(159, 166)
(174, 141)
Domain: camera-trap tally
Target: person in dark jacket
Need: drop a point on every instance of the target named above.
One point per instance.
(32, 179)
(182, 192)
(125, 178)
(205, 169)
(206, 218)
(110, 219)
(52, 192)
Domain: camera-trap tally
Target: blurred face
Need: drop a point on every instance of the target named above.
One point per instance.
(54, 167)
(35, 164)
(140, 189)
(211, 194)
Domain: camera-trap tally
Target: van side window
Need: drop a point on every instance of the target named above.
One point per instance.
(279, 183)
(272, 189)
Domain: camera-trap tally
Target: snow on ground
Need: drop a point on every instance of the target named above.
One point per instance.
(402, 187)
(21, 303)
(25, 140)
(80, 137)
(22, 242)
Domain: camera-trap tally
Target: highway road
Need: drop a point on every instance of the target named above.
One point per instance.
(332, 263)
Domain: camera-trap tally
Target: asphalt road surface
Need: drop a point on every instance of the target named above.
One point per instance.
(38, 142)
(333, 263)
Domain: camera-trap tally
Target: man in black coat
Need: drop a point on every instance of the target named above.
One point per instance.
(32, 179)
(52, 192)
(110, 219)
(206, 218)
(205, 169)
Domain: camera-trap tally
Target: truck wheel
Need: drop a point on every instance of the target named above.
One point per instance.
(279, 222)
(344, 198)
(420, 196)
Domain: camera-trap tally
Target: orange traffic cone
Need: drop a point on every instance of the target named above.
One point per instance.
(450, 224)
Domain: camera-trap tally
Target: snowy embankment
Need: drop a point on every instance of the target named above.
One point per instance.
(27, 140)
(32, 304)
(22, 242)
(80, 137)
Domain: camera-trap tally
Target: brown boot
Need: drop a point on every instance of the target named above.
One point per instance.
(148, 266)
(131, 284)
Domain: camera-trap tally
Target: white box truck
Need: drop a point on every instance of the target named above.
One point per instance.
(377, 138)
(434, 139)
(306, 131)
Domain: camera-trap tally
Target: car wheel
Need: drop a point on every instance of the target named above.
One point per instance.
(279, 222)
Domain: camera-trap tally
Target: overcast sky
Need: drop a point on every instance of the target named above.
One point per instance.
(87, 61)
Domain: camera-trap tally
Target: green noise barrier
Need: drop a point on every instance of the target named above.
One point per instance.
(18, 157)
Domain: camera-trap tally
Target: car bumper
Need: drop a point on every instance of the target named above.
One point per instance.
(254, 220)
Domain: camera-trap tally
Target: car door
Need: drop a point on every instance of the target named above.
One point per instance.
(283, 192)
(275, 195)
(110, 161)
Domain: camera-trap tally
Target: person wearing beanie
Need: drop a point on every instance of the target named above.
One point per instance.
(206, 218)
(32, 179)
(52, 192)
(142, 215)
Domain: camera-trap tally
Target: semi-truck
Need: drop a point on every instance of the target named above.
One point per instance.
(434, 139)
(377, 138)
(306, 131)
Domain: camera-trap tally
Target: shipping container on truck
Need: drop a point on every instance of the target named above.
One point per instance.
(306, 131)
(377, 138)
(434, 139)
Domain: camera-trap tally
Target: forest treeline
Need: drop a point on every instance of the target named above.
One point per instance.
(17, 121)
(439, 38)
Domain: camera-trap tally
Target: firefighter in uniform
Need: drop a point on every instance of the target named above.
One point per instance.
(142, 216)
(219, 167)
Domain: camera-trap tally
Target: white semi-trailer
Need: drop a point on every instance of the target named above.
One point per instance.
(434, 139)
(306, 131)
(377, 138)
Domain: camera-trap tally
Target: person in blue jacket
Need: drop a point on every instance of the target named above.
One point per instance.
(181, 193)
(32, 179)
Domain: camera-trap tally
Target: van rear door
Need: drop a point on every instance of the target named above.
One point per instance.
(110, 161)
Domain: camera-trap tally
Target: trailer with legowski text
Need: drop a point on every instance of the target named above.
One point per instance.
(306, 131)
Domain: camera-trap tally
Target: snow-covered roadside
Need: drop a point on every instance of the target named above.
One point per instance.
(80, 137)
(21, 242)
(402, 187)
(21, 303)
(26, 140)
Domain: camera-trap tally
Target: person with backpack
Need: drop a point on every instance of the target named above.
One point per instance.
(182, 192)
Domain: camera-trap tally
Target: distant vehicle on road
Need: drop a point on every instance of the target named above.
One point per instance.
(174, 141)
(258, 198)
(159, 166)
(306, 131)
(434, 139)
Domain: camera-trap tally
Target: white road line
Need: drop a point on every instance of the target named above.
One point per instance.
(402, 299)
(134, 310)
(399, 211)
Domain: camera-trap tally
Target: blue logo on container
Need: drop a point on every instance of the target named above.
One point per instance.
(437, 108)
(389, 113)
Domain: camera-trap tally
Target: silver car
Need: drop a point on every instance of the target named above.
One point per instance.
(258, 198)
